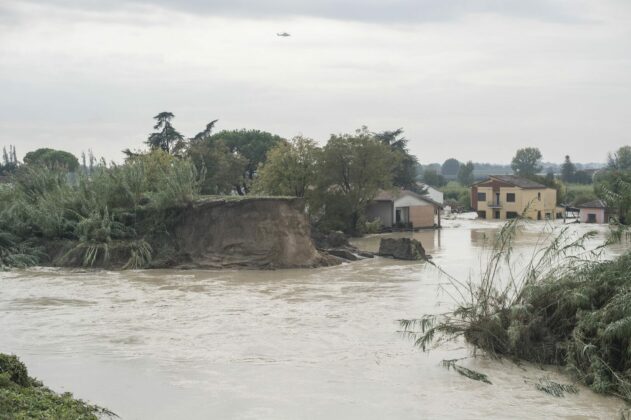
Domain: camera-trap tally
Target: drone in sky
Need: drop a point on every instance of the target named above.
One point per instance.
(283, 34)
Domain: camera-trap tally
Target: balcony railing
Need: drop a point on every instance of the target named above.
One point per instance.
(494, 204)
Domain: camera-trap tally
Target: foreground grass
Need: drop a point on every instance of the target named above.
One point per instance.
(564, 308)
(22, 397)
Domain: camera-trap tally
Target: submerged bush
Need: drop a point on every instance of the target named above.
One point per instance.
(564, 307)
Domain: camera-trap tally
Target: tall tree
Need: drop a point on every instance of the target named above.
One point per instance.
(290, 168)
(9, 161)
(613, 184)
(53, 159)
(250, 145)
(404, 175)
(568, 170)
(166, 137)
(223, 168)
(450, 168)
(353, 167)
(465, 174)
(620, 160)
(433, 178)
(527, 162)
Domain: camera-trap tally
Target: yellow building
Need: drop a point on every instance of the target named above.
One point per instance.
(507, 196)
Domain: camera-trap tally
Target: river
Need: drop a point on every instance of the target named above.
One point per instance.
(288, 344)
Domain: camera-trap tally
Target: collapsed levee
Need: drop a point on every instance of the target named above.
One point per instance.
(211, 233)
(253, 232)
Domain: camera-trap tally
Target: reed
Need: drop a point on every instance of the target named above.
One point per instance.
(564, 306)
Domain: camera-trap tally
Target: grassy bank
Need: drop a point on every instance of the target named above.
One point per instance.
(565, 307)
(23, 397)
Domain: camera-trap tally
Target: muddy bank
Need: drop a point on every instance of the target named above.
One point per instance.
(258, 233)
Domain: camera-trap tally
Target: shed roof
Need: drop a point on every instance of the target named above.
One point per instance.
(596, 204)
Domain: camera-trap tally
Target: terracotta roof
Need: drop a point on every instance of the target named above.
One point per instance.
(385, 195)
(516, 181)
(596, 204)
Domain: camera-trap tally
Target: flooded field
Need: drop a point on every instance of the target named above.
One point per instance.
(291, 344)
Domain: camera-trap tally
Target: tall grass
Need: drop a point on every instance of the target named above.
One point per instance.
(98, 211)
(563, 306)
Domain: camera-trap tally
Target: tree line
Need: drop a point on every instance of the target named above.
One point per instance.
(337, 180)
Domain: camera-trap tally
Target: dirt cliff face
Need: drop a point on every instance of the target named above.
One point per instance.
(251, 232)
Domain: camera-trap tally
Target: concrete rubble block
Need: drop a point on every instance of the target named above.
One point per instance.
(402, 249)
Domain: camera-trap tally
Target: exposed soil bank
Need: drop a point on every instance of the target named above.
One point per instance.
(256, 233)
(261, 233)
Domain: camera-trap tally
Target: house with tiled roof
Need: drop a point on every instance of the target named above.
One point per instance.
(404, 208)
(504, 197)
(593, 212)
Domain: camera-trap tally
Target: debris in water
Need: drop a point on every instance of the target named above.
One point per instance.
(554, 388)
(471, 374)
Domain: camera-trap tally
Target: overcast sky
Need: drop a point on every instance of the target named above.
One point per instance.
(472, 79)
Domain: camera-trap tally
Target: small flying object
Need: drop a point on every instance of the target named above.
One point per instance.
(283, 34)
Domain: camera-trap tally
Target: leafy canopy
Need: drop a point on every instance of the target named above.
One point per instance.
(290, 169)
(352, 170)
(52, 159)
(527, 162)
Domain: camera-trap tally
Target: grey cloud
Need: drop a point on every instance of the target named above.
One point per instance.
(377, 11)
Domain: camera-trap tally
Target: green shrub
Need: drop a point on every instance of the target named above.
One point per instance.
(373, 227)
(15, 369)
(22, 397)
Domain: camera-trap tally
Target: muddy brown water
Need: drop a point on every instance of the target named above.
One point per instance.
(289, 344)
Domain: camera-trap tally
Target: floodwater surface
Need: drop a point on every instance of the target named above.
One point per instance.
(287, 344)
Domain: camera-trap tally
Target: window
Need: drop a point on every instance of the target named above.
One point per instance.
(511, 214)
(481, 196)
(497, 214)
(510, 197)
(482, 214)
(591, 218)
(539, 196)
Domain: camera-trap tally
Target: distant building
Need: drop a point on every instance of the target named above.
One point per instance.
(507, 196)
(404, 208)
(593, 212)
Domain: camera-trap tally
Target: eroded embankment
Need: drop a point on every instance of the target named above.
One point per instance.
(215, 233)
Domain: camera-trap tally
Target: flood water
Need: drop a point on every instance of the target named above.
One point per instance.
(288, 344)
